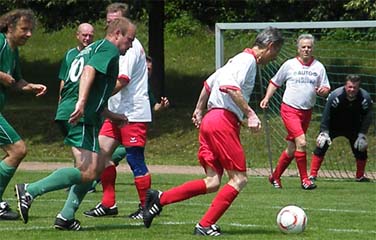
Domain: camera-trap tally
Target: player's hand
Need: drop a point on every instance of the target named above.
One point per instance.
(7, 80)
(264, 103)
(197, 117)
(322, 91)
(77, 113)
(118, 119)
(322, 139)
(163, 104)
(254, 123)
(38, 89)
(361, 142)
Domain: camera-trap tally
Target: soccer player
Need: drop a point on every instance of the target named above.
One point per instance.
(90, 82)
(305, 77)
(16, 27)
(225, 94)
(85, 36)
(133, 101)
(347, 113)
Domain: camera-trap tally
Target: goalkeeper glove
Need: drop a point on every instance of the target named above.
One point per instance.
(322, 139)
(361, 142)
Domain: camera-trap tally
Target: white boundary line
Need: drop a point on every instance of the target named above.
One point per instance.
(335, 230)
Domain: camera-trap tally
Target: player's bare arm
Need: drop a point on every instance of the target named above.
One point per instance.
(86, 81)
(118, 119)
(38, 89)
(253, 122)
(6, 79)
(120, 84)
(269, 93)
(200, 107)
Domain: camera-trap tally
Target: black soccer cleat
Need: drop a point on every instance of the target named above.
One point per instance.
(212, 230)
(102, 211)
(138, 213)
(65, 224)
(6, 213)
(308, 184)
(152, 206)
(363, 179)
(24, 201)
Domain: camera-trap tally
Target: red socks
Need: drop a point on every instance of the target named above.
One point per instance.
(283, 162)
(219, 205)
(183, 192)
(360, 167)
(316, 164)
(142, 183)
(301, 162)
(108, 179)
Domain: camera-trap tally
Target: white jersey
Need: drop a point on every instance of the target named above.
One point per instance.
(239, 73)
(301, 82)
(133, 99)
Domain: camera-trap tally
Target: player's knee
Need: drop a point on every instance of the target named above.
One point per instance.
(19, 151)
(212, 184)
(241, 181)
(362, 156)
(136, 161)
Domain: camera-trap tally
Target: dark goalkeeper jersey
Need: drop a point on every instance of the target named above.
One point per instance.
(342, 115)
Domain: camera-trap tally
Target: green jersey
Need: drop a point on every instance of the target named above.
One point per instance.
(10, 64)
(103, 56)
(65, 64)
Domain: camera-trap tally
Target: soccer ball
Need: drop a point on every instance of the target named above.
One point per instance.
(291, 219)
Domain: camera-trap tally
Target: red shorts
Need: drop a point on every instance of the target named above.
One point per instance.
(220, 146)
(296, 121)
(130, 135)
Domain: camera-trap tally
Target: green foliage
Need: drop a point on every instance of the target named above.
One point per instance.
(331, 210)
(360, 9)
(183, 26)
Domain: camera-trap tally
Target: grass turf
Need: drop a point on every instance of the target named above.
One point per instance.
(337, 209)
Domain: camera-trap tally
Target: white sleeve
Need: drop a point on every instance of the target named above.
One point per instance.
(324, 81)
(281, 76)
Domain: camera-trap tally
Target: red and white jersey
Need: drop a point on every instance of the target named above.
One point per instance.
(133, 99)
(301, 82)
(239, 73)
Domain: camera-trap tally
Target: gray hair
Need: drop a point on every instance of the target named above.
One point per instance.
(306, 36)
(267, 36)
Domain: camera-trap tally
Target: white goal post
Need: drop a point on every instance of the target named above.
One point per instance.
(220, 27)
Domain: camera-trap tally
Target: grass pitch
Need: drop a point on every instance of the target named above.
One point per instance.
(337, 209)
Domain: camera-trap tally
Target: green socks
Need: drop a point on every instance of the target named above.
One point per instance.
(59, 179)
(6, 174)
(75, 197)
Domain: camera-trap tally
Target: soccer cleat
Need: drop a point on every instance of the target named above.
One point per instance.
(275, 182)
(6, 212)
(101, 211)
(137, 214)
(24, 201)
(212, 230)
(64, 224)
(363, 179)
(312, 178)
(308, 184)
(152, 206)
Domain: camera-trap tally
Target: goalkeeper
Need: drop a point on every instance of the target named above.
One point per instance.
(347, 113)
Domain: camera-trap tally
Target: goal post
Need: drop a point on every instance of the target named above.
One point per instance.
(340, 57)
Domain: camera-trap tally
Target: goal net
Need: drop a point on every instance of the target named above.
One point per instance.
(347, 47)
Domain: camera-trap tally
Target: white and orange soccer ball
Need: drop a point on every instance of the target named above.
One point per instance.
(292, 219)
